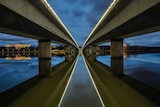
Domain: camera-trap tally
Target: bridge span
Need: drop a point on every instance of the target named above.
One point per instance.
(52, 87)
(35, 19)
(123, 19)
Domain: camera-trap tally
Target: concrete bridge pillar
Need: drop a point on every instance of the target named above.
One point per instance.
(117, 56)
(68, 53)
(93, 53)
(90, 52)
(74, 51)
(86, 51)
(44, 52)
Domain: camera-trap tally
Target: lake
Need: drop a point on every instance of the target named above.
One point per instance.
(142, 67)
(14, 72)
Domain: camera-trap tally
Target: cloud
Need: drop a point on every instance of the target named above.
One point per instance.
(12, 39)
(150, 39)
(80, 34)
(78, 13)
(99, 7)
(71, 1)
(79, 16)
(8, 37)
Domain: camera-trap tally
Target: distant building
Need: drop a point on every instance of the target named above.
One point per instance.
(17, 46)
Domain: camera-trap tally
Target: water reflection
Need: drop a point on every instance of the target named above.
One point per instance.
(81, 91)
(16, 68)
(145, 68)
(18, 58)
(140, 63)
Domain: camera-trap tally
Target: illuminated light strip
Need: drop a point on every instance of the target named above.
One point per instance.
(93, 83)
(56, 16)
(68, 82)
(102, 18)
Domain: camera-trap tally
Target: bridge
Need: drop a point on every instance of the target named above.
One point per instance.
(36, 20)
(123, 19)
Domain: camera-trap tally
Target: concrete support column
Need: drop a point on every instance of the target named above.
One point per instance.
(91, 52)
(86, 51)
(44, 52)
(73, 51)
(67, 53)
(93, 55)
(117, 56)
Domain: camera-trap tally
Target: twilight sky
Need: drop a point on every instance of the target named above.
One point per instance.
(80, 17)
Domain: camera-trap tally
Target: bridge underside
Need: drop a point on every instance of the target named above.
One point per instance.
(146, 22)
(13, 23)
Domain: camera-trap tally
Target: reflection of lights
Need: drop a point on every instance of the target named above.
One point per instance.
(125, 46)
(56, 52)
(18, 58)
(125, 55)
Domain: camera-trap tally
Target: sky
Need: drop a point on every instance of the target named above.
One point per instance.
(150, 39)
(12, 39)
(80, 17)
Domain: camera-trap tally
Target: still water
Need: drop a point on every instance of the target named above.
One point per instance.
(81, 91)
(142, 67)
(14, 72)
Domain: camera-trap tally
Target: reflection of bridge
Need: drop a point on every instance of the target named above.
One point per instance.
(35, 19)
